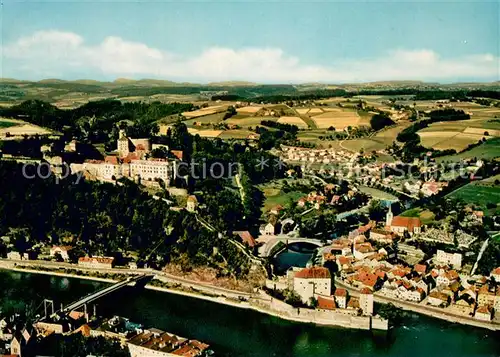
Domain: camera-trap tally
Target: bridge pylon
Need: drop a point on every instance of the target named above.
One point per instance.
(46, 304)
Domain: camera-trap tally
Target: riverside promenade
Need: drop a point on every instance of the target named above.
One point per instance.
(258, 301)
(431, 311)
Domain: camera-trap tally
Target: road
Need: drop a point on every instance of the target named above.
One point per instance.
(166, 277)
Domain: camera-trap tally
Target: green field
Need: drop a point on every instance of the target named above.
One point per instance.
(281, 199)
(488, 150)
(275, 196)
(206, 119)
(478, 194)
(425, 216)
(377, 194)
(7, 124)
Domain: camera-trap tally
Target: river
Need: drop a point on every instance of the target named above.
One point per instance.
(244, 333)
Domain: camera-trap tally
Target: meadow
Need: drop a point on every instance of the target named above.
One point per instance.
(487, 150)
(479, 194)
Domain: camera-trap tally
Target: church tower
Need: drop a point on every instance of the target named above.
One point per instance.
(389, 216)
(123, 144)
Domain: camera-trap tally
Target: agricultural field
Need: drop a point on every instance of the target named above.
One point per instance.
(387, 136)
(425, 215)
(206, 119)
(21, 128)
(205, 111)
(293, 121)
(246, 122)
(205, 133)
(249, 109)
(236, 134)
(7, 123)
(365, 144)
(484, 195)
(338, 118)
(487, 150)
(458, 134)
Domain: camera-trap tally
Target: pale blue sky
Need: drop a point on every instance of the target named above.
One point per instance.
(317, 41)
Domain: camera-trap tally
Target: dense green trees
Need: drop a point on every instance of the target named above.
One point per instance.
(490, 259)
(108, 219)
(380, 121)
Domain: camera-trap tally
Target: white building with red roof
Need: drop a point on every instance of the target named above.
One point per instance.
(340, 296)
(366, 301)
(313, 281)
(96, 262)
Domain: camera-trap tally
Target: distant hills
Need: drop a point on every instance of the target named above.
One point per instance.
(146, 82)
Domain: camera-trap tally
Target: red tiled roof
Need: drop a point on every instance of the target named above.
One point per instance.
(326, 303)
(452, 275)
(130, 156)
(101, 260)
(420, 268)
(365, 228)
(247, 238)
(177, 153)
(484, 309)
(76, 315)
(111, 160)
(313, 273)
(367, 279)
(496, 271)
(344, 260)
(340, 292)
(408, 222)
(192, 198)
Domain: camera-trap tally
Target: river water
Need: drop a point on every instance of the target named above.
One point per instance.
(244, 333)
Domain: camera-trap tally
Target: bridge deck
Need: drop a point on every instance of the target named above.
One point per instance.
(98, 294)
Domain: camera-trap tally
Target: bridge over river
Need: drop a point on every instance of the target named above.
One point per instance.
(266, 249)
(82, 302)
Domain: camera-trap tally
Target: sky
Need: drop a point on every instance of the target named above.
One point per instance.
(265, 42)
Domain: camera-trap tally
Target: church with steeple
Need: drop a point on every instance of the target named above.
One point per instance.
(400, 224)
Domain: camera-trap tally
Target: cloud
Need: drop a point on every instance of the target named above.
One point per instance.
(59, 53)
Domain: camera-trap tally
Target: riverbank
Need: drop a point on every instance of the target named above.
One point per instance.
(430, 311)
(259, 301)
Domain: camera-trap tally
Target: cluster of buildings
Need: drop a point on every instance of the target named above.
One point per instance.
(332, 195)
(132, 162)
(314, 286)
(370, 259)
(426, 188)
(150, 342)
(140, 342)
(318, 156)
